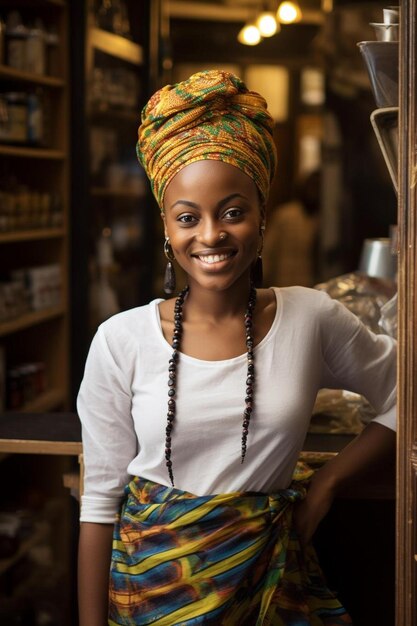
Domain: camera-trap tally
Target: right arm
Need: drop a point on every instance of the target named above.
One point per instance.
(109, 444)
(94, 553)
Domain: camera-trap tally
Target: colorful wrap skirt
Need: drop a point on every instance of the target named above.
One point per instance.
(222, 560)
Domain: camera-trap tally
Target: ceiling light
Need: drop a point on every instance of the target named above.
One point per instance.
(289, 12)
(327, 6)
(267, 24)
(249, 35)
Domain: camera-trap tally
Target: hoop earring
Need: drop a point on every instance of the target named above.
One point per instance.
(170, 281)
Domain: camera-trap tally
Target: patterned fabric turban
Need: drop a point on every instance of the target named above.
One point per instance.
(212, 115)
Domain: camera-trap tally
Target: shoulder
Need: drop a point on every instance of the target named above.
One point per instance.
(302, 297)
(125, 332)
(129, 320)
(312, 309)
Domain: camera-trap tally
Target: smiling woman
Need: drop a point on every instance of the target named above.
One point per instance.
(195, 408)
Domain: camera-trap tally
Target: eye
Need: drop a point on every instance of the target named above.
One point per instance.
(233, 214)
(187, 219)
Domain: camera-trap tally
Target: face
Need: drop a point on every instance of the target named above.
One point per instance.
(213, 220)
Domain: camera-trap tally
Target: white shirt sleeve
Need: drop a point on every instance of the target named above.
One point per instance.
(109, 440)
(358, 360)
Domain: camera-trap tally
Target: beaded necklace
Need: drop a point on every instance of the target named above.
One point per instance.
(172, 374)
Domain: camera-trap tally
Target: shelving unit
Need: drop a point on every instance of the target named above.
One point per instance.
(39, 168)
(35, 182)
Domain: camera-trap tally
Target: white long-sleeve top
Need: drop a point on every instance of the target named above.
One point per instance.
(314, 342)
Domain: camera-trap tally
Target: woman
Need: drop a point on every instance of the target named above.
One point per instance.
(214, 524)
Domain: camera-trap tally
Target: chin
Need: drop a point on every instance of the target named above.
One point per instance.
(217, 283)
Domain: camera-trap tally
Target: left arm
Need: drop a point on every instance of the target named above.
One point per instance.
(357, 360)
(374, 445)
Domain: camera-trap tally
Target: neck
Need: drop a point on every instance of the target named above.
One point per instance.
(211, 304)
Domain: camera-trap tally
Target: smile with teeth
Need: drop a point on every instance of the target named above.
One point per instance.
(214, 258)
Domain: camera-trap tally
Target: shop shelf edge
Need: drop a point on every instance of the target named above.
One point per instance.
(39, 79)
(32, 153)
(32, 235)
(24, 4)
(104, 192)
(109, 115)
(30, 319)
(117, 46)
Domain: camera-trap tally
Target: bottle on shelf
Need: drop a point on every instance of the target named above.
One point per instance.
(36, 48)
(16, 37)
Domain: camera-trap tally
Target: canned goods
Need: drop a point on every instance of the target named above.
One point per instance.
(14, 117)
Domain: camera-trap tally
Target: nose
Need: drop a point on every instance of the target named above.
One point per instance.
(210, 233)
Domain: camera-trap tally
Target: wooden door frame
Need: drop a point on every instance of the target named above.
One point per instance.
(406, 568)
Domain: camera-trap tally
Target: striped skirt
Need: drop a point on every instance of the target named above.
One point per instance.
(222, 560)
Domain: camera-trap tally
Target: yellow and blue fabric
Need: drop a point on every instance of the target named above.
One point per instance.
(221, 560)
(212, 115)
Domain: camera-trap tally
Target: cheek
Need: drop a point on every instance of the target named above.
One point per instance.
(252, 236)
(179, 239)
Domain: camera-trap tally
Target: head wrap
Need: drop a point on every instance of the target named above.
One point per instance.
(212, 115)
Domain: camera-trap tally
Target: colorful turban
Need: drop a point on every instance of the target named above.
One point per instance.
(212, 115)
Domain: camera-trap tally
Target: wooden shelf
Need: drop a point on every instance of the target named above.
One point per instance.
(24, 4)
(53, 448)
(11, 73)
(103, 192)
(49, 433)
(39, 533)
(30, 319)
(32, 153)
(109, 116)
(32, 235)
(116, 46)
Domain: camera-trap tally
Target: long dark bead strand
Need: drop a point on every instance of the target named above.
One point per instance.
(250, 377)
(172, 375)
(172, 379)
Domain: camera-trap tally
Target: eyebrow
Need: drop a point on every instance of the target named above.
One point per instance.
(220, 204)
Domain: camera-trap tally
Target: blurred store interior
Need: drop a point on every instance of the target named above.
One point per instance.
(81, 237)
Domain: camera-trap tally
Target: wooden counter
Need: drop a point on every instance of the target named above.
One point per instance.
(60, 434)
(40, 433)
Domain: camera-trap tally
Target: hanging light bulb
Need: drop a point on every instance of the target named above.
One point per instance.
(327, 6)
(289, 12)
(267, 24)
(249, 35)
